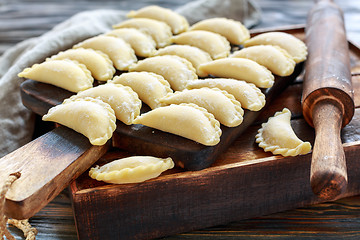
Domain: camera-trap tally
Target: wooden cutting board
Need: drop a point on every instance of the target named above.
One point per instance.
(243, 182)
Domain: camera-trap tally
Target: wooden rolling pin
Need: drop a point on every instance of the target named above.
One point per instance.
(327, 99)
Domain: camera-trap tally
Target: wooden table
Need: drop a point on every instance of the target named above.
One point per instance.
(20, 20)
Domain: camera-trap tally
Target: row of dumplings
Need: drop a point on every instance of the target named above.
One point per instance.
(202, 104)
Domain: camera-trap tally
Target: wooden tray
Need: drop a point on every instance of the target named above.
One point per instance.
(75, 154)
(243, 182)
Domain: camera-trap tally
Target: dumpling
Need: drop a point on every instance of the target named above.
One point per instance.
(234, 31)
(159, 31)
(149, 86)
(143, 44)
(277, 136)
(247, 94)
(186, 120)
(225, 108)
(66, 74)
(134, 169)
(214, 44)
(274, 58)
(98, 63)
(122, 99)
(120, 53)
(241, 69)
(177, 22)
(193, 54)
(294, 46)
(91, 117)
(176, 70)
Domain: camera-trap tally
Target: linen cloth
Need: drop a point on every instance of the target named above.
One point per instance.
(17, 122)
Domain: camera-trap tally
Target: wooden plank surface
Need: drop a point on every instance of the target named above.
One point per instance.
(335, 220)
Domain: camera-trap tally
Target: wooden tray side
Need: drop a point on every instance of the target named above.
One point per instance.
(193, 200)
(243, 182)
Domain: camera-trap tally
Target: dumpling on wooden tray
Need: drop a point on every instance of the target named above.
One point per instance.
(91, 117)
(247, 94)
(97, 62)
(149, 86)
(177, 22)
(274, 58)
(234, 31)
(159, 31)
(122, 99)
(66, 74)
(278, 137)
(131, 169)
(120, 52)
(143, 44)
(241, 69)
(176, 70)
(187, 120)
(214, 44)
(193, 54)
(225, 108)
(294, 46)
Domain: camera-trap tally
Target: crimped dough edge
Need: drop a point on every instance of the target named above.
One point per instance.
(239, 112)
(224, 42)
(110, 112)
(244, 32)
(204, 55)
(158, 78)
(302, 148)
(177, 22)
(253, 106)
(268, 78)
(110, 70)
(123, 176)
(88, 80)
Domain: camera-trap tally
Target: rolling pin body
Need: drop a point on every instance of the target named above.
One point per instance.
(327, 97)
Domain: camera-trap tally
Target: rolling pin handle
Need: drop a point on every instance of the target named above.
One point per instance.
(328, 174)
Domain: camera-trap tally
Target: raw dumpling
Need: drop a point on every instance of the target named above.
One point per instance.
(143, 44)
(241, 69)
(67, 74)
(98, 63)
(274, 58)
(91, 117)
(159, 31)
(120, 53)
(234, 31)
(122, 99)
(149, 86)
(214, 44)
(131, 169)
(277, 136)
(247, 94)
(176, 70)
(193, 54)
(294, 46)
(177, 22)
(186, 120)
(225, 108)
